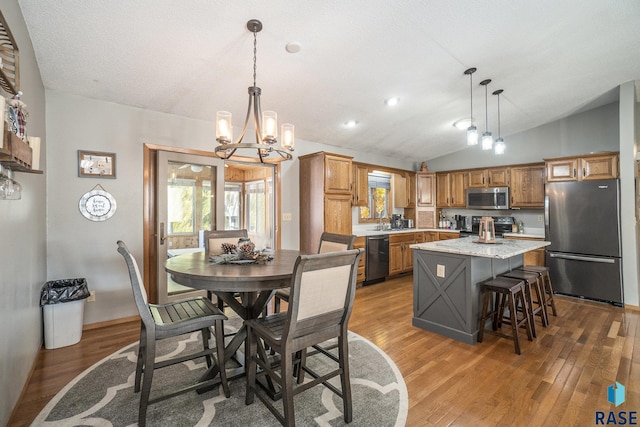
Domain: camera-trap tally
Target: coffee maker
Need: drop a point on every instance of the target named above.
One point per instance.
(396, 221)
(461, 222)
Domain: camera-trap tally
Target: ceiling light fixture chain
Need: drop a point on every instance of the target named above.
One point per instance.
(255, 30)
(265, 124)
(487, 139)
(499, 145)
(472, 131)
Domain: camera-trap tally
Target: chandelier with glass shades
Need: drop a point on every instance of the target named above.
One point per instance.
(265, 149)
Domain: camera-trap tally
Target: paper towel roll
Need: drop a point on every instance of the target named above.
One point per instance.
(34, 143)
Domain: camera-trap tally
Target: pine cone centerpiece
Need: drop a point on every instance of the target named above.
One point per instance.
(245, 248)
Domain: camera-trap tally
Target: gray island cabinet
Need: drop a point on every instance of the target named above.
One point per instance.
(446, 297)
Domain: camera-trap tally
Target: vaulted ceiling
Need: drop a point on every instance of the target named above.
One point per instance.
(194, 57)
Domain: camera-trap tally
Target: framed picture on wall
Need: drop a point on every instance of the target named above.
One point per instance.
(93, 164)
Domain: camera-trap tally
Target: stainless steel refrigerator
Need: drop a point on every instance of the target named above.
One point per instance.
(582, 222)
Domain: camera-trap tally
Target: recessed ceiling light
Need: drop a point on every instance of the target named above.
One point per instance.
(293, 47)
(392, 101)
(351, 123)
(463, 124)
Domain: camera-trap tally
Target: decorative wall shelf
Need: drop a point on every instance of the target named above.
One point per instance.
(10, 67)
(16, 154)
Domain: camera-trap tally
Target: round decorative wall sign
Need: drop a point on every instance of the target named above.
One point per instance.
(97, 205)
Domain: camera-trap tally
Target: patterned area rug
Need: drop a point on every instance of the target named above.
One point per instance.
(103, 394)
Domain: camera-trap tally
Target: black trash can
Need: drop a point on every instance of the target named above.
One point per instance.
(62, 303)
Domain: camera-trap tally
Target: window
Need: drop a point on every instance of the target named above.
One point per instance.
(256, 208)
(181, 195)
(232, 205)
(379, 196)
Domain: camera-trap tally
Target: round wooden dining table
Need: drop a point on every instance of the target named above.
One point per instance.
(253, 283)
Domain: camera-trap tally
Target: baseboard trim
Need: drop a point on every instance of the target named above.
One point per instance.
(631, 307)
(112, 322)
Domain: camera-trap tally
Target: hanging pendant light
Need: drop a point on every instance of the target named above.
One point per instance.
(487, 139)
(265, 123)
(472, 131)
(500, 146)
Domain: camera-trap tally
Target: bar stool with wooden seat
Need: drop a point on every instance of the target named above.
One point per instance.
(536, 306)
(508, 293)
(545, 278)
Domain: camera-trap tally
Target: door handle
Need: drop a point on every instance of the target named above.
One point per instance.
(162, 235)
(582, 258)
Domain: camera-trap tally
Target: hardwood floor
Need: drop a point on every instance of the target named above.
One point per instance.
(561, 378)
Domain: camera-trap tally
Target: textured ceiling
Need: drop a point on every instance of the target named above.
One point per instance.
(194, 57)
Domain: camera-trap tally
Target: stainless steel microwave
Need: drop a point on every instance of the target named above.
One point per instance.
(488, 198)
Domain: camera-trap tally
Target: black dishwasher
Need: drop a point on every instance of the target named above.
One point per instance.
(377, 261)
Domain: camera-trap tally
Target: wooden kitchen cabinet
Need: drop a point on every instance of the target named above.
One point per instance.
(447, 235)
(534, 257)
(337, 174)
(478, 178)
(400, 254)
(527, 186)
(426, 189)
(399, 183)
(430, 236)
(411, 190)
(599, 167)
(360, 243)
(498, 177)
(583, 168)
(494, 177)
(450, 189)
(360, 185)
(562, 170)
(325, 197)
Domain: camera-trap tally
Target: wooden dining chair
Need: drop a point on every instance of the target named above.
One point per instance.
(322, 293)
(169, 320)
(213, 241)
(329, 242)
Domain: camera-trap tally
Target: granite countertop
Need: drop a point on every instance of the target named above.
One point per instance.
(404, 230)
(502, 249)
(530, 235)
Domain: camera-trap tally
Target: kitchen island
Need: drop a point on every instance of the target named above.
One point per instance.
(446, 297)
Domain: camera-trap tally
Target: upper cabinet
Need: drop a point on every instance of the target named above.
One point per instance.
(411, 190)
(599, 167)
(399, 183)
(582, 168)
(360, 185)
(426, 189)
(337, 174)
(494, 177)
(498, 177)
(527, 186)
(450, 189)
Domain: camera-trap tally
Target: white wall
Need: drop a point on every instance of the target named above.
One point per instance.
(629, 124)
(22, 239)
(77, 247)
(593, 130)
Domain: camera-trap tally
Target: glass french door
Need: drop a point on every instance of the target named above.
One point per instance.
(250, 202)
(189, 201)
